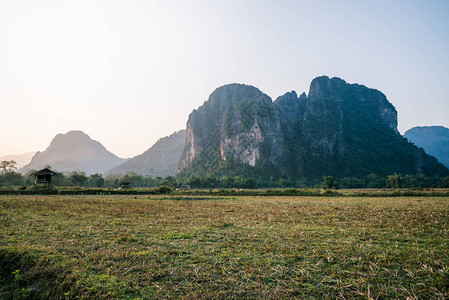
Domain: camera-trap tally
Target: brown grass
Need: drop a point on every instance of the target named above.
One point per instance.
(269, 247)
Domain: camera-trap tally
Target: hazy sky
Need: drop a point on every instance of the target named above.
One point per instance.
(130, 72)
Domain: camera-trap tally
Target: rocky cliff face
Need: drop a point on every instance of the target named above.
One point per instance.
(338, 129)
(371, 103)
(434, 140)
(238, 124)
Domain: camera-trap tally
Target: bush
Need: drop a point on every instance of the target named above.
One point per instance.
(161, 190)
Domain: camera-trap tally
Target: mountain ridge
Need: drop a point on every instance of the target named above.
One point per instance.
(74, 151)
(433, 139)
(21, 159)
(161, 159)
(337, 129)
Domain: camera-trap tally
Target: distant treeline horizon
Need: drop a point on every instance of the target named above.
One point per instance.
(10, 178)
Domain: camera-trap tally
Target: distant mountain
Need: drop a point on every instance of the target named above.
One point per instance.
(20, 159)
(160, 160)
(72, 151)
(339, 129)
(433, 139)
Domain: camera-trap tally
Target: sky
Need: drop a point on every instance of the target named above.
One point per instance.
(130, 72)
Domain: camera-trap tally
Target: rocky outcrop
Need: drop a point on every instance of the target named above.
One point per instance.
(238, 124)
(373, 102)
(340, 125)
(161, 159)
(433, 139)
(74, 151)
(339, 129)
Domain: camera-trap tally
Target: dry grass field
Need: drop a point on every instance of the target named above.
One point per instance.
(251, 247)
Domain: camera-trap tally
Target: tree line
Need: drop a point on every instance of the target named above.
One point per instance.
(10, 177)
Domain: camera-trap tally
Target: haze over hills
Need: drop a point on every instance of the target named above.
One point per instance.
(160, 160)
(340, 129)
(74, 150)
(20, 159)
(433, 139)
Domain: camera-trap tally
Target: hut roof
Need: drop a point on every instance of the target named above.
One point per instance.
(45, 171)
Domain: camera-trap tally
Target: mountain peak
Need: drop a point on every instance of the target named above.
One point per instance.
(232, 124)
(339, 129)
(235, 88)
(73, 136)
(72, 151)
(323, 86)
(230, 94)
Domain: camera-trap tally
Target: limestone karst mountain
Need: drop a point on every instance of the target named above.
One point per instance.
(237, 124)
(72, 151)
(337, 129)
(433, 139)
(160, 160)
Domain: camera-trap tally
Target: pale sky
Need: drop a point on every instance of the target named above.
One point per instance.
(129, 72)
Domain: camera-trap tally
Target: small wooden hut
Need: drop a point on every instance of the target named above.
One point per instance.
(44, 176)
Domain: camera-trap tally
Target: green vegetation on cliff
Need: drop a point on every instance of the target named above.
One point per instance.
(339, 129)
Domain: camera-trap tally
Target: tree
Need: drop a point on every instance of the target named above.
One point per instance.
(8, 174)
(95, 180)
(446, 182)
(7, 166)
(78, 179)
(28, 177)
(125, 181)
(248, 183)
(372, 181)
(10, 179)
(394, 181)
(159, 180)
(194, 181)
(170, 181)
(60, 180)
(330, 183)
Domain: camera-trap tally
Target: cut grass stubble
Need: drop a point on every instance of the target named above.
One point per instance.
(120, 247)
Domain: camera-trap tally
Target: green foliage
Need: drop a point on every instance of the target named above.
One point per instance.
(8, 174)
(163, 190)
(346, 130)
(242, 177)
(395, 181)
(95, 180)
(290, 192)
(32, 274)
(446, 182)
(78, 178)
(170, 181)
(11, 178)
(7, 166)
(43, 190)
(330, 183)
